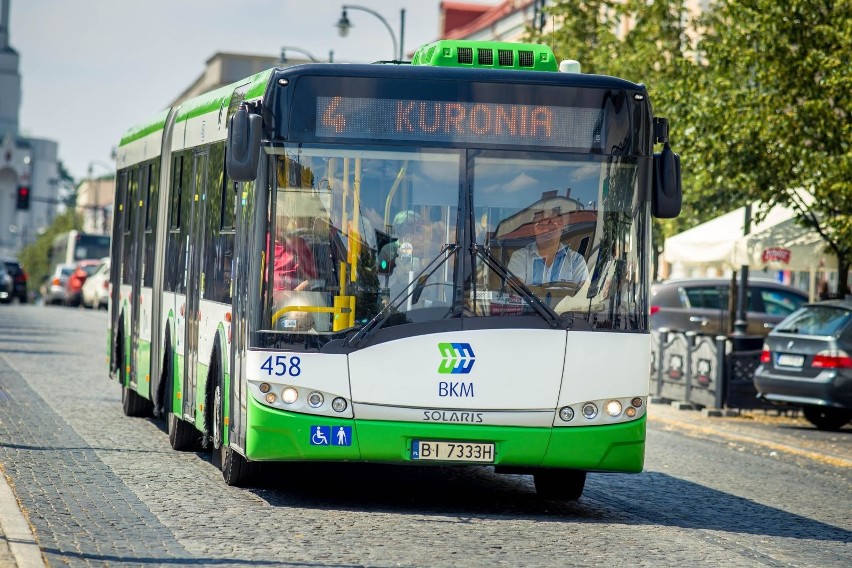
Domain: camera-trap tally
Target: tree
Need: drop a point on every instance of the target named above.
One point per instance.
(644, 41)
(772, 115)
(35, 256)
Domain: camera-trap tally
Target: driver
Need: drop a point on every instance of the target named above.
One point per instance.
(546, 259)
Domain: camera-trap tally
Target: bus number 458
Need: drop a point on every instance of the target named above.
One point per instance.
(279, 366)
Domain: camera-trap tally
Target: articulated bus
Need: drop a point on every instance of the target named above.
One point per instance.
(441, 261)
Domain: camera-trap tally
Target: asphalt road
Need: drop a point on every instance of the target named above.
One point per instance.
(97, 488)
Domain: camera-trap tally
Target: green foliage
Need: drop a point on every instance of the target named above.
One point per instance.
(759, 102)
(34, 257)
(773, 120)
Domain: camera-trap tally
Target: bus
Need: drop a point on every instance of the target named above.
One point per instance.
(73, 246)
(313, 265)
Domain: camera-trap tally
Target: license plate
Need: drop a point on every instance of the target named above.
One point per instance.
(785, 360)
(480, 452)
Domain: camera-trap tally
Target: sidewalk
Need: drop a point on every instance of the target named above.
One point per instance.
(792, 435)
(17, 544)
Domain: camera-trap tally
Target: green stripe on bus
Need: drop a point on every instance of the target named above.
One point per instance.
(276, 435)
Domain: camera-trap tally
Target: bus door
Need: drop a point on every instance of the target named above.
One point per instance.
(116, 257)
(137, 234)
(195, 279)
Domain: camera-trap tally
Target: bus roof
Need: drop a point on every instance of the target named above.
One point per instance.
(202, 104)
(444, 59)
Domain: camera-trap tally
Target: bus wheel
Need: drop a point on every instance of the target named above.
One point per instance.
(183, 436)
(236, 470)
(131, 402)
(559, 484)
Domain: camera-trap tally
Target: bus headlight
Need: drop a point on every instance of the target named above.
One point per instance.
(315, 399)
(270, 398)
(613, 408)
(590, 410)
(339, 404)
(289, 395)
(566, 413)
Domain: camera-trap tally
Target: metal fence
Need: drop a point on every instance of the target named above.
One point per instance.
(706, 371)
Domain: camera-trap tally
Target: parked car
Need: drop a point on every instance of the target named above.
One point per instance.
(7, 285)
(74, 285)
(806, 362)
(96, 287)
(701, 305)
(53, 289)
(19, 279)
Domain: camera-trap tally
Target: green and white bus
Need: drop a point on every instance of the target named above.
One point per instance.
(345, 263)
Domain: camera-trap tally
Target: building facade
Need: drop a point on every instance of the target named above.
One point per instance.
(29, 163)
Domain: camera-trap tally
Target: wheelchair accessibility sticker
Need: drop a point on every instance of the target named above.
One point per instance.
(331, 436)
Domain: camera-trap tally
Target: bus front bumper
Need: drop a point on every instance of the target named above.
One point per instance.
(275, 435)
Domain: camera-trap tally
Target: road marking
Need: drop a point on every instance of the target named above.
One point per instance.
(701, 431)
(16, 529)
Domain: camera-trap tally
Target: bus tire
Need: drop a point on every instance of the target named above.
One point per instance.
(134, 404)
(559, 484)
(183, 437)
(236, 469)
(131, 402)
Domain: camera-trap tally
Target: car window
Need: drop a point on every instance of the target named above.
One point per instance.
(780, 302)
(816, 320)
(710, 297)
(13, 268)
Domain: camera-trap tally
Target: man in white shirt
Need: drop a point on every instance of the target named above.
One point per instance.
(546, 259)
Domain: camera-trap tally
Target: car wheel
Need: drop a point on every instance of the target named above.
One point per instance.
(827, 418)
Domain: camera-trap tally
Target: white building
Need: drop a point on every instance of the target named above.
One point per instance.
(27, 162)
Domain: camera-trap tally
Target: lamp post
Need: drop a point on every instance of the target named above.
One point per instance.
(343, 25)
(741, 323)
(97, 190)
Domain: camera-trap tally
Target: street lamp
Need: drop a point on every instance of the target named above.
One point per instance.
(343, 25)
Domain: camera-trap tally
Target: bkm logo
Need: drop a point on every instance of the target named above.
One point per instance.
(458, 358)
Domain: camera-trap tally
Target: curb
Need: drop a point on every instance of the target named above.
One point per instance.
(16, 530)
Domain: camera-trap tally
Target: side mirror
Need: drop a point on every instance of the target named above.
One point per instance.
(243, 146)
(667, 193)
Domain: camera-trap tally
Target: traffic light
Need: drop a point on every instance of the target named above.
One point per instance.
(23, 197)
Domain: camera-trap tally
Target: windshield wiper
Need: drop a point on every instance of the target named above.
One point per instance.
(545, 311)
(418, 283)
(788, 330)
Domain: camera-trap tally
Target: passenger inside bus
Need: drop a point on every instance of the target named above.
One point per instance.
(416, 244)
(293, 272)
(546, 260)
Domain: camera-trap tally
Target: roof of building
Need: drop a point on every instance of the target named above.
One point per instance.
(485, 19)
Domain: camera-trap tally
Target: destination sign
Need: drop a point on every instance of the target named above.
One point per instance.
(449, 121)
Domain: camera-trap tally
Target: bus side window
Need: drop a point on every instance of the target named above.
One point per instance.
(175, 195)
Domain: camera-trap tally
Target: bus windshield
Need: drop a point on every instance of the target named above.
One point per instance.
(364, 235)
(91, 247)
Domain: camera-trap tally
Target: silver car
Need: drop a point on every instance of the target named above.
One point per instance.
(53, 289)
(806, 362)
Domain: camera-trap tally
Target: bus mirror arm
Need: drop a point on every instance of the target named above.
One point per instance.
(243, 152)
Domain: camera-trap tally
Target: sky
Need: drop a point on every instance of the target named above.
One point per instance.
(90, 69)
